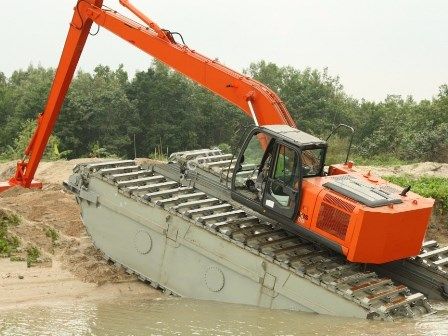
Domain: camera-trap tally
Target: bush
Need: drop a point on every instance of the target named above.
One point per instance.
(17, 150)
(8, 243)
(98, 151)
(32, 255)
(427, 186)
(53, 234)
(225, 148)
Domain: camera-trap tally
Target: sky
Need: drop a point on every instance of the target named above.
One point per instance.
(376, 47)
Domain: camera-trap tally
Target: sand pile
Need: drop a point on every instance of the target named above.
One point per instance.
(43, 211)
(417, 169)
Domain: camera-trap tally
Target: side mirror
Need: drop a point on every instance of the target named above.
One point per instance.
(242, 158)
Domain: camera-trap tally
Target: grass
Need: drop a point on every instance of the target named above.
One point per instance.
(12, 219)
(53, 234)
(8, 243)
(427, 186)
(32, 255)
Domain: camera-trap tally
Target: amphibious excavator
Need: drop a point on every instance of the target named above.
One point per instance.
(271, 226)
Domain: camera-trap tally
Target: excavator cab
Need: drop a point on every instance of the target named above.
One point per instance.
(271, 166)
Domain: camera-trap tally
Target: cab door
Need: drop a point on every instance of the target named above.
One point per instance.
(282, 190)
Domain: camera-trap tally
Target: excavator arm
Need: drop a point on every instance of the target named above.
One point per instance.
(252, 97)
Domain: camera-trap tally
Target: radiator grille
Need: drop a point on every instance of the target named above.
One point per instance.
(337, 201)
(334, 216)
(333, 221)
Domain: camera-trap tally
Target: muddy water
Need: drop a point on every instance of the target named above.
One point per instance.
(190, 317)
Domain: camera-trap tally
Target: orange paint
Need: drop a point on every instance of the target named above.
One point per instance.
(366, 235)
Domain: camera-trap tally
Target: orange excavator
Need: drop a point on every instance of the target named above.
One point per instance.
(361, 216)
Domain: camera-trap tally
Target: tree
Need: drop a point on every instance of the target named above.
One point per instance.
(315, 99)
(98, 111)
(17, 148)
(103, 111)
(24, 98)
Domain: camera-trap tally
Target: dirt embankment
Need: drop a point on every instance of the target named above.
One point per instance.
(417, 169)
(68, 264)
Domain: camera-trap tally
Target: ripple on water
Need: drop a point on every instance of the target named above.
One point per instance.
(192, 317)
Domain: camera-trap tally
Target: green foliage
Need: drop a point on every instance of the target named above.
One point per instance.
(408, 130)
(383, 159)
(164, 112)
(337, 150)
(23, 98)
(21, 142)
(314, 98)
(52, 234)
(11, 219)
(8, 243)
(427, 186)
(32, 255)
(159, 154)
(178, 114)
(97, 151)
(98, 117)
(225, 148)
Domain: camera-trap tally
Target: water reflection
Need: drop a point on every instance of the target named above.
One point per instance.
(191, 317)
(72, 319)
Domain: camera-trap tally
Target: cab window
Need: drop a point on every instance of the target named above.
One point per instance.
(312, 161)
(254, 167)
(285, 166)
(285, 176)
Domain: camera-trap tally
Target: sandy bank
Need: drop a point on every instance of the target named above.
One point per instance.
(21, 286)
(72, 269)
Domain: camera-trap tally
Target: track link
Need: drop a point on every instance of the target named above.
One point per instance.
(434, 256)
(427, 272)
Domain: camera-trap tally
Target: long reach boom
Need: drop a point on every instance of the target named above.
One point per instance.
(254, 98)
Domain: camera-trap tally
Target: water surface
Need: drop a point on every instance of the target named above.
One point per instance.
(174, 316)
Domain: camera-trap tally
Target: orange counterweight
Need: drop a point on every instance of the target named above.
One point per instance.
(365, 234)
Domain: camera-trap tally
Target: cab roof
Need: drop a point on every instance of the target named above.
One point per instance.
(295, 136)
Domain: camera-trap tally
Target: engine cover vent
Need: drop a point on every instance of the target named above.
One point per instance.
(337, 201)
(334, 216)
(370, 195)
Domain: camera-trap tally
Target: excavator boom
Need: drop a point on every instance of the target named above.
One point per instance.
(254, 98)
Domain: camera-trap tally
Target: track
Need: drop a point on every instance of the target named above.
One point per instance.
(381, 297)
(426, 273)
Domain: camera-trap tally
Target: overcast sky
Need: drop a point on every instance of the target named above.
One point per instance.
(377, 47)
